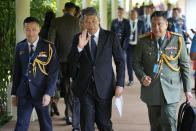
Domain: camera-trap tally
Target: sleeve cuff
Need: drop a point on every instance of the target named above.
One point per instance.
(80, 49)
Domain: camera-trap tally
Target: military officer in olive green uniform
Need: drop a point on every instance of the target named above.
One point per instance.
(160, 63)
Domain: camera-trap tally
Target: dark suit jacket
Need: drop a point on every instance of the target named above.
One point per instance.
(61, 33)
(101, 69)
(39, 84)
(124, 27)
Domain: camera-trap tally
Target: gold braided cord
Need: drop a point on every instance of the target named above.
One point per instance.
(166, 58)
(42, 64)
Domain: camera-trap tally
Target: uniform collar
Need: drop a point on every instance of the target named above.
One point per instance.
(34, 43)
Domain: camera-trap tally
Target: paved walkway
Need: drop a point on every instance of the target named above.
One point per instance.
(134, 117)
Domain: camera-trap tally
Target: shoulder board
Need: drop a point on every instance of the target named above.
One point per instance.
(145, 35)
(181, 18)
(47, 41)
(174, 33)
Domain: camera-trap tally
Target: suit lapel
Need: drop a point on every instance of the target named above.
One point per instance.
(88, 53)
(26, 50)
(101, 41)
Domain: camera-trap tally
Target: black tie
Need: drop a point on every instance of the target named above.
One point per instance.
(160, 41)
(93, 48)
(31, 50)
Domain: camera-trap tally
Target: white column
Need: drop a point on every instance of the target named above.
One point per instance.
(86, 3)
(114, 8)
(22, 11)
(103, 13)
(130, 5)
(122, 3)
(60, 6)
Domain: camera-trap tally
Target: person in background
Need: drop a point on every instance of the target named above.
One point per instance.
(120, 26)
(77, 12)
(61, 32)
(169, 10)
(136, 28)
(161, 80)
(34, 77)
(193, 57)
(177, 24)
(146, 19)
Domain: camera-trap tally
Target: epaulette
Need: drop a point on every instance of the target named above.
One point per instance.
(145, 35)
(47, 41)
(174, 33)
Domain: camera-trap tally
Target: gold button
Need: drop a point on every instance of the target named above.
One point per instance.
(29, 71)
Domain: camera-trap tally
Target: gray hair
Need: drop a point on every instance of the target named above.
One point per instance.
(89, 11)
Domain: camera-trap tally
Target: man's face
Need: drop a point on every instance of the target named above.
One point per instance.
(175, 14)
(133, 15)
(159, 26)
(91, 23)
(120, 14)
(31, 30)
(147, 10)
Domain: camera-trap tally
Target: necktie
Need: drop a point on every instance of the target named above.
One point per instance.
(160, 41)
(31, 50)
(93, 48)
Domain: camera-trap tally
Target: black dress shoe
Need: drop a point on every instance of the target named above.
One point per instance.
(68, 121)
(54, 107)
(51, 113)
(75, 129)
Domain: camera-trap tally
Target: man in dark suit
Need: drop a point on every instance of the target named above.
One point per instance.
(94, 83)
(34, 78)
(136, 28)
(120, 27)
(61, 33)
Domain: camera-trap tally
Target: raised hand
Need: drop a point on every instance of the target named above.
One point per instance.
(83, 40)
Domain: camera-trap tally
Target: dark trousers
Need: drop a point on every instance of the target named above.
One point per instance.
(130, 51)
(76, 113)
(24, 111)
(95, 110)
(66, 89)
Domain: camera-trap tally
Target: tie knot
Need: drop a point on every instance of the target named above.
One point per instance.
(160, 41)
(92, 36)
(32, 46)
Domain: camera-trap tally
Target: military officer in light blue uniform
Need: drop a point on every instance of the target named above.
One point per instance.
(161, 63)
(177, 24)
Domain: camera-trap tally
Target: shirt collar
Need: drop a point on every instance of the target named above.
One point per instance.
(134, 20)
(120, 20)
(34, 43)
(162, 38)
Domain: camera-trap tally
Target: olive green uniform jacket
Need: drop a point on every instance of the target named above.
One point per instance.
(166, 88)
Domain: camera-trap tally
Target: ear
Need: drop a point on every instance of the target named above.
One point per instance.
(167, 24)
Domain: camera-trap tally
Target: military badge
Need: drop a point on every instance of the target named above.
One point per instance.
(42, 54)
(171, 48)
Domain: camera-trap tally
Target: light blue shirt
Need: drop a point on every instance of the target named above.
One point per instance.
(193, 46)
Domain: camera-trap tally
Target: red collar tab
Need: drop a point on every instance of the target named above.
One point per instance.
(168, 35)
(151, 36)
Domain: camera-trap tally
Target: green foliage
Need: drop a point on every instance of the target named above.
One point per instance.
(7, 46)
(40, 7)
